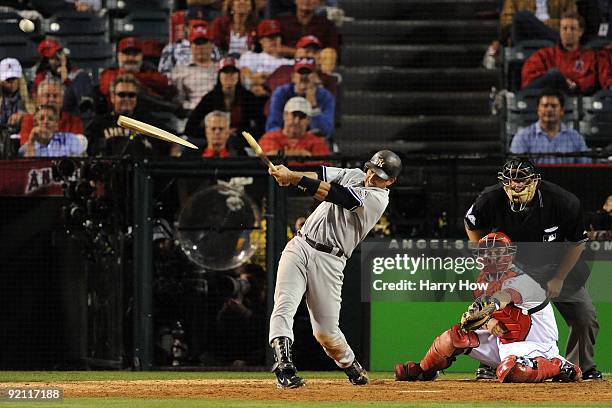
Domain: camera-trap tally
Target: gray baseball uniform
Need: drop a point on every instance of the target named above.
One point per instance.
(304, 269)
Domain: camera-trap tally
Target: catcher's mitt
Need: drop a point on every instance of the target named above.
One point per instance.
(479, 313)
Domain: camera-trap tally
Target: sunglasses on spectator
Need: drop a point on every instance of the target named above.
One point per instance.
(11, 79)
(131, 51)
(126, 94)
(200, 41)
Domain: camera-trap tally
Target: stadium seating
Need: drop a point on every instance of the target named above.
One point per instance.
(72, 23)
(142, 23)
(596, 125)
(514, 58)
(19, 47)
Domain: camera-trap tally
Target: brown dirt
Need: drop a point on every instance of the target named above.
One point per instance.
(341, 390)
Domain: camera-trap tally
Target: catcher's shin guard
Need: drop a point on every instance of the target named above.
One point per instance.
(446, 346)
(527, 370)
(286, 373)
(440, 355)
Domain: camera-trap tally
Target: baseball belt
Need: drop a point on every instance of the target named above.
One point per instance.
(322, 247)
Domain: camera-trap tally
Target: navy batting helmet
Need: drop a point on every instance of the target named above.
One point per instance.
(385, 164)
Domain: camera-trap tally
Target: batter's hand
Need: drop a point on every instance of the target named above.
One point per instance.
(553, 287)
(282, 175)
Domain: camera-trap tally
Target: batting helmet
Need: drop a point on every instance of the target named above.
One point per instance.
(385, 164)
(520, 180)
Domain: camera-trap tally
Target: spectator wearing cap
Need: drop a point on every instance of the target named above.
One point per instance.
(567, 66)
(179, 52)
(293, 139)
(228, 95)
(235, 31)
(196, 79)
(45, 140)
(54, 63)
(308, 46)
(305, 22)
(130, 59)
(256, 66)
(306, 83)
(14, 98)
(106, 138)
(51, 92)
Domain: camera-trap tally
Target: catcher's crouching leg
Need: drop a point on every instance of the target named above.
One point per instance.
(526, 370)
(440, 355)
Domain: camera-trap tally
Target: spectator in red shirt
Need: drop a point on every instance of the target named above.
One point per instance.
(604, 61)
(235, 31)
(305, 22)
(567, 66)
(54, 63)
(51, 92)
(308, 46)
(130, 59)
(293, 139)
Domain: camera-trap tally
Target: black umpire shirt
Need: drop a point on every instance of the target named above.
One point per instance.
(553, 216)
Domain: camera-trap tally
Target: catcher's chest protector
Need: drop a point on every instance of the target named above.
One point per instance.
(516, 322)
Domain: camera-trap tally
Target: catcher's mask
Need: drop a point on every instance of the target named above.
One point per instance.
(520, 181)
(497, 253)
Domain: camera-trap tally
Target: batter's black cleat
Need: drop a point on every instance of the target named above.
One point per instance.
(286, 373)
(569, 373)
(592, 375)
(485, 372)
(356, 374)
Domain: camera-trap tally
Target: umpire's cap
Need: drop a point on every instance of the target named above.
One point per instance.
(385, 164)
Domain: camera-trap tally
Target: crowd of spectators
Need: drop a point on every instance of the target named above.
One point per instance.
(232, 56)
(575, 66)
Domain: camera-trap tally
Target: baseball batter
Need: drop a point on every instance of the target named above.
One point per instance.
(312, 263)
(518, 336)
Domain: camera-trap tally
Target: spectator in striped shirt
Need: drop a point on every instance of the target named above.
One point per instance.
(199, 77)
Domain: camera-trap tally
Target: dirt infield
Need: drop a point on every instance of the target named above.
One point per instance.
(340, 390)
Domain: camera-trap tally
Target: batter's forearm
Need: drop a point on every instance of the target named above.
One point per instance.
(309, 182)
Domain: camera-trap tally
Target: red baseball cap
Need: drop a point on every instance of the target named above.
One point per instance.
(197, 22)
(308, 40)
(48, 48)
(228, 62)
(129, 43)
(267, 28)
(197, 32)
(304, 63)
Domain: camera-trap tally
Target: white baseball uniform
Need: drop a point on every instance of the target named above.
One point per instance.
(541, 340)
(305, 270)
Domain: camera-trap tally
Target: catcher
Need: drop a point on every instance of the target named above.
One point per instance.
(511, 327)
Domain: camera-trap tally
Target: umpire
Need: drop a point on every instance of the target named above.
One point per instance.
(531, 210)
